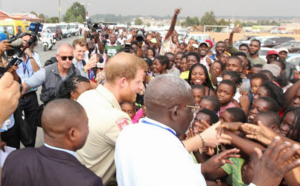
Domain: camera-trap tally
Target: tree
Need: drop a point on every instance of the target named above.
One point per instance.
(191, 21)
(128, 23)
(32, 12)
(72, 19)
(74, 11)
(237, 22)
(222, 22)
(138, 21)
(79, 19)
(53, 20)
(42, 17)
(148, 24)
(209, 18)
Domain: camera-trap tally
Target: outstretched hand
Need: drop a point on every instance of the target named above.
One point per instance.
(213, 139)
(215, 162)
(236, 29)
(259, 132)
(232, 126)
(274, 164)
(177, 11)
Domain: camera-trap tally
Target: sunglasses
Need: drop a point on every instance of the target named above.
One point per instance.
(64, 58)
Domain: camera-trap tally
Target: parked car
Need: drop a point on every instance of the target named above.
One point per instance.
(294, 59)
(56, 31)
(271, 42)
(293, 46)
(274, 32)
(197, 37)
(74, 29)
(263, 52)
(255, 30)
(65, 27)
(246, 38)
(260, 38)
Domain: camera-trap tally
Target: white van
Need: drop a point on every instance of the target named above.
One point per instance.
(74, 29)
(197, 37)
(65, 27)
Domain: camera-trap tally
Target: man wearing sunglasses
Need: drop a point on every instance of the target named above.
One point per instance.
(272, 55)
(53, 75)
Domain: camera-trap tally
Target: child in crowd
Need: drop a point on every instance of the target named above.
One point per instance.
(256, 80)
(236, 78)
(269, 119)
(198, 92)
(211, 103)
(204, 117)
(128, 108)
(262, 104)
(184, 69)
(160, 65)
(290, 124)
(256, 69)
(225, 93)
(233, 114)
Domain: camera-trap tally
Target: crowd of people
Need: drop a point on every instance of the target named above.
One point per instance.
(135, 108)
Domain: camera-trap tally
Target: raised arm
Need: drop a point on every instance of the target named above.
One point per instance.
(173, 23)
(290, 93)
(230, 47)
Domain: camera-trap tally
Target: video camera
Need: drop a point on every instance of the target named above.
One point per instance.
(93, 27)
(16, 52)
(140, 35)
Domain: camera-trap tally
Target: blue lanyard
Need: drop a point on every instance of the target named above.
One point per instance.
(167, 129)
(153, 124)
(25, 67)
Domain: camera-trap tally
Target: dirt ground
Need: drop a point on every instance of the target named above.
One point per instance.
(223, 36)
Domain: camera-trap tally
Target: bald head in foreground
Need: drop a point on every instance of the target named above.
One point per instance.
(65, 126)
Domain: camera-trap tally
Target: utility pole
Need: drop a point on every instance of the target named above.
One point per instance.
(59, 10)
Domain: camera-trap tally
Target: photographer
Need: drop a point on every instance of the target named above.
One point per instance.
(30, 64)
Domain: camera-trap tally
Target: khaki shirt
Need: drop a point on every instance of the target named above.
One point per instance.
(254, 61)
(106, 120)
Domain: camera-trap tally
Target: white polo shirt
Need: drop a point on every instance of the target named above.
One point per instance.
(150, 155)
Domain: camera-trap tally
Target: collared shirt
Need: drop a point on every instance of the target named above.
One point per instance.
(60, 149)
(152, 155)
(78, 65)
(25, 69)
(106, 120)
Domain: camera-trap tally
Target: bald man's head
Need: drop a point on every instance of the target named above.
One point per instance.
(64, 47)
(123, 65)
(65, 124)
(166, 91)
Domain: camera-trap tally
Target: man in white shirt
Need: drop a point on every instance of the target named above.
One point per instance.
(150, 153)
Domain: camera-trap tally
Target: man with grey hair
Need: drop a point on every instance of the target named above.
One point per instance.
(150, 153)
(53, 75)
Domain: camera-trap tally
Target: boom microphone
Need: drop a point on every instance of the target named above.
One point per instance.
(17, 42)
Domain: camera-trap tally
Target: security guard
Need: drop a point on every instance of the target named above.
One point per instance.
(124, 76)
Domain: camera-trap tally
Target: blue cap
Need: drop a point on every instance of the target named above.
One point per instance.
(3, 36)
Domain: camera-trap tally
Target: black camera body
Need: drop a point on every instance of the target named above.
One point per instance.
(17, 52)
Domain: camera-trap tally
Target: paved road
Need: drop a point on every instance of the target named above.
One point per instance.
(44, 56)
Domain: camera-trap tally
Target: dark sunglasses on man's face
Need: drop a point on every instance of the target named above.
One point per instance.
(273, 57)
(64, 58)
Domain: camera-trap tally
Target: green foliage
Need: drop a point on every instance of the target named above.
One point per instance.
(74, 11)
(191, 21)
(209, 18)
(79, 19)
(222, 22)
(138, 21)
(33, 12)
(148, 24)
(53, 20)
(128, 23)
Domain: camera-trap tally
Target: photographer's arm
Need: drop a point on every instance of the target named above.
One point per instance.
(100, 46)
(36, 80)
(139, 51)
(35, 66)
(4, 46)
